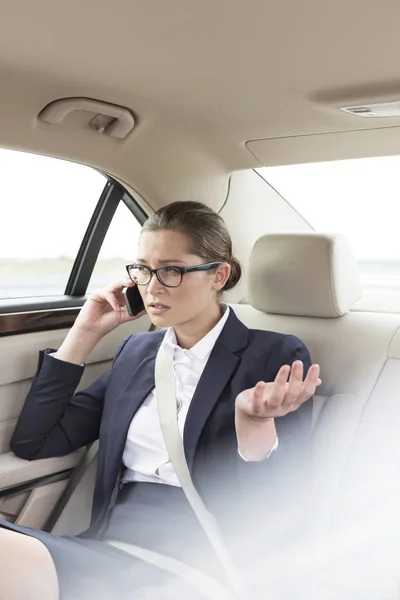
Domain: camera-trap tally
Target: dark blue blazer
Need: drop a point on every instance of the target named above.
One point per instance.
(55, 422)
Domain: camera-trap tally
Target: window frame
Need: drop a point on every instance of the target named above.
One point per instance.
(35, 313)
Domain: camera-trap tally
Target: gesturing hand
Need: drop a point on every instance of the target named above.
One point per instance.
(280, 397)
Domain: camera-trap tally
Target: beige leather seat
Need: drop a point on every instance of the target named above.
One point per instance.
(306, 284)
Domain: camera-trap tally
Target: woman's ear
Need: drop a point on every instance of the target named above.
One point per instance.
(221, 276)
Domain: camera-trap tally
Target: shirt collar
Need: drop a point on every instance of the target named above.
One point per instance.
(203, 347)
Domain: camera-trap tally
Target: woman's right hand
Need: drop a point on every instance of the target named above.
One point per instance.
(104, 310)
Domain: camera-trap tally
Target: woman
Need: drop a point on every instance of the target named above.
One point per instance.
(240, 395)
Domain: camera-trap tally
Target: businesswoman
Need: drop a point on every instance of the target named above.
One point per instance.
(241, 397)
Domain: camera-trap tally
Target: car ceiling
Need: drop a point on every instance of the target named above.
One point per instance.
(215, 86)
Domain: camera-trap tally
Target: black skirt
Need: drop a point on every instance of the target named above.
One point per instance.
(151, 515)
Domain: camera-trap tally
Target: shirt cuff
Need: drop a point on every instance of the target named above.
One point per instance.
(273, 449)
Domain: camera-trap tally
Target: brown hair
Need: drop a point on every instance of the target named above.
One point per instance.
(208, 235)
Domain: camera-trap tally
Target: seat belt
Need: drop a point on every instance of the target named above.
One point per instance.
(211, 588)
(167, 409)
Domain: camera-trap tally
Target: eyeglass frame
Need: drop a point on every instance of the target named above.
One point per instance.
(182, 270)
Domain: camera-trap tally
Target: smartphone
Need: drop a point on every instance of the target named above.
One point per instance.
(133, 300)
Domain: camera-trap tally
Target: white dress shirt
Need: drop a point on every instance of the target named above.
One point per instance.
(145, 456)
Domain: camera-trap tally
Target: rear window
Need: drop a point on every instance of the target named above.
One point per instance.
(358, 198)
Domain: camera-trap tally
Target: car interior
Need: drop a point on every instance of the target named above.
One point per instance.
(110, 111)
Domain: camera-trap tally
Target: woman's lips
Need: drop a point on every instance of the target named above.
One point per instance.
(156, 308)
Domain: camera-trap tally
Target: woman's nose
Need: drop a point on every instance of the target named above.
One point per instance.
(154, 286)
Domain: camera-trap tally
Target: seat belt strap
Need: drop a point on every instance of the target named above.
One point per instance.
(211, 588)
(167, 410)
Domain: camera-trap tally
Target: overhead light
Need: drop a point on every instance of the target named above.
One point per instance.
(381, 109)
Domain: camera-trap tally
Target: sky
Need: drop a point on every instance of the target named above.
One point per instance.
(359, 198)
(46, 205)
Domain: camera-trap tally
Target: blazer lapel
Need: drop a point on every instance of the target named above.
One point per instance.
(135, 392)
(215, 377)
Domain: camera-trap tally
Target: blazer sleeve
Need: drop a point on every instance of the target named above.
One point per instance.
(294, 429)
(54, 421)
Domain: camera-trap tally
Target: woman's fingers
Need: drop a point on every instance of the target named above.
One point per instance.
(121, 301)
(125, 316)
(112, 301)
(296, 391)
(257, 400)
(292, 396)
(115, 289)
(113, 293)
(277, 391)
(286, 393)
(311, 382)
(118, 286)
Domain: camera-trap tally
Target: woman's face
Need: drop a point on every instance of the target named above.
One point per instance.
(194, 297)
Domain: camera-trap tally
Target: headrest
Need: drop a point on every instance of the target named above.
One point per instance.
(303, 274)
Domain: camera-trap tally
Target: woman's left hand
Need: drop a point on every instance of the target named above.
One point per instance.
(280, 397)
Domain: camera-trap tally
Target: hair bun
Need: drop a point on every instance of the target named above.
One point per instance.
(235, 274)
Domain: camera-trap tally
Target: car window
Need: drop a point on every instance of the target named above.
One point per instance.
(46, 205)
(359, 198)
(118, 249)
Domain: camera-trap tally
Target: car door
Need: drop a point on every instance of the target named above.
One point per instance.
(67, 230)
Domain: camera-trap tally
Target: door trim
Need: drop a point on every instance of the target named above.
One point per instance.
(30, 321)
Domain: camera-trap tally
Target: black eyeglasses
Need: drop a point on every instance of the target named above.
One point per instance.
(168, 276)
